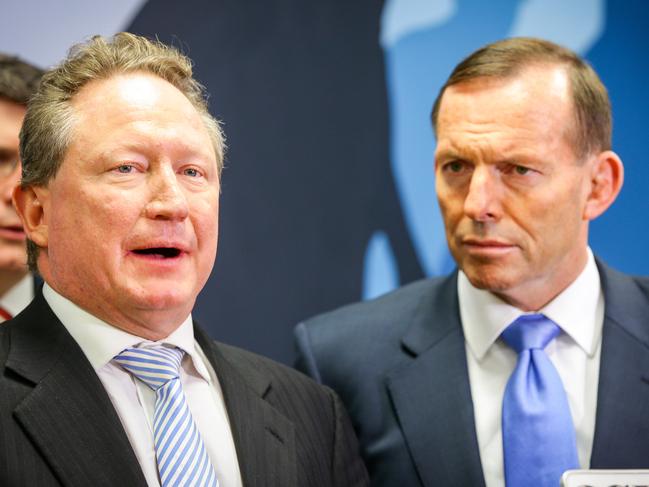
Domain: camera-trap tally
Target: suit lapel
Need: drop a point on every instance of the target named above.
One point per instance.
(432, 397)
(263, 437)
(622, 430)
(67, 414)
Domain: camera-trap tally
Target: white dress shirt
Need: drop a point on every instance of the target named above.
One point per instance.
(579, 312)
(19, 296)
(134, 401)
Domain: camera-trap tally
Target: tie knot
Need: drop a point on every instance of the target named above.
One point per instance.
(155, 366)
(530, 331)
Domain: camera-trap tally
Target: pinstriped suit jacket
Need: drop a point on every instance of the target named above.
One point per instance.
(59, 428)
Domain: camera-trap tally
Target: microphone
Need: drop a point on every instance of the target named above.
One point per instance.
(605, 478)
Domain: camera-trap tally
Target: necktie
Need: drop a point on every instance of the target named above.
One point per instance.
(180, 452)
(538, 434)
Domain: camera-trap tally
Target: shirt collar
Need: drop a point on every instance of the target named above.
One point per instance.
(19, 296)
(101, 341)
(578, 310)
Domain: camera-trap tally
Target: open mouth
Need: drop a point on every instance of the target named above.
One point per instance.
(159, 252)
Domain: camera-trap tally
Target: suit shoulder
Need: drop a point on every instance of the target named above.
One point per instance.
(251, 364)
(390, 311)
(622, 285)
(643, 283)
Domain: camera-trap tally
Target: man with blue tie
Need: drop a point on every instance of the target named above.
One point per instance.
(105, 378)
(532, 358)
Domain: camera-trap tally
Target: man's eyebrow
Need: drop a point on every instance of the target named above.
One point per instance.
(521, 157)
(448, 153)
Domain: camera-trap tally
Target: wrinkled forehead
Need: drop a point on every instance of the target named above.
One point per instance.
(131, 93)
(137, 99)
(538, 100)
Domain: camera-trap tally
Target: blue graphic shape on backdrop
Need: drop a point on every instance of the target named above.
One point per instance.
(380, 272)
(577, 24)
(422, 42)
(401, 17)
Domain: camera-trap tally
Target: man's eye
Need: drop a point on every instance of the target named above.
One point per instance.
(454, 166)
(125, 168)
(522, 170)
(191, 172)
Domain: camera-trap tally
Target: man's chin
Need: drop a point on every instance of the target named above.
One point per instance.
(489, 278)
(165, 298)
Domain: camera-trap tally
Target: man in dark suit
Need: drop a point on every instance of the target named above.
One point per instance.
(18, 81)
(105, 379)
(523, 164)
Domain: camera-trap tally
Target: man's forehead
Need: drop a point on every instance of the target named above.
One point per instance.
(136, 97)
(138, 89)
(507, 115)
(135, 113)
(539, 93)
(549, 78)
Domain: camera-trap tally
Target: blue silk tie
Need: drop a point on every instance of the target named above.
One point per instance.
(538, 434)
(180, 452)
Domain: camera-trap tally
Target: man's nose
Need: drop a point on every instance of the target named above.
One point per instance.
(482, 202)
(168, 200)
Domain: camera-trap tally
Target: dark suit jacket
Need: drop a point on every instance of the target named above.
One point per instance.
(58, 426)
(399, 365)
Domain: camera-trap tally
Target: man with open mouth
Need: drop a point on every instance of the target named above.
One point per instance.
(105, 378)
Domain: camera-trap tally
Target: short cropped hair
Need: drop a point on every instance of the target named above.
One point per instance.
(509, 57)
(18, 79)
(49, 122)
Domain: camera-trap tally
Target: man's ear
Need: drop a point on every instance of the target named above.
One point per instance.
(29, 204)
(606, 179)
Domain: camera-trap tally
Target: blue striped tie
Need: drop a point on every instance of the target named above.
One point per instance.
(180, 452)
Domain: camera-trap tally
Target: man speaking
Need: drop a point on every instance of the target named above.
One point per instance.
(105, 378)
(533, 357)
